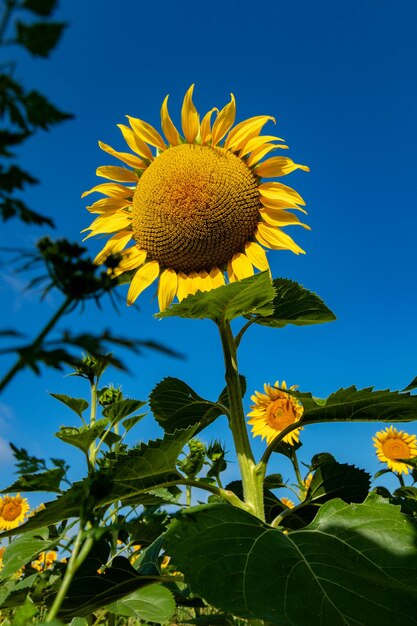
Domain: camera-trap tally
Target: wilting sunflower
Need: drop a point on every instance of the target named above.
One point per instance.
(13, 510)
(273, 411)
(192, 206)
(392, 444)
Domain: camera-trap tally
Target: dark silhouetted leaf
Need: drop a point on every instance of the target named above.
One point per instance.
(39, 38)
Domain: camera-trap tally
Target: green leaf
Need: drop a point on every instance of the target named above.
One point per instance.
(43, 481)
(250, 296)
(24, 549)
(359, 405)
(130, 422)
(153, 603)
(121, 409)
(355, 564)
(175, 405)
(78, 405)
(24, 614)
(83, 437)
(412, 385)
(294, 305)
(39, 38)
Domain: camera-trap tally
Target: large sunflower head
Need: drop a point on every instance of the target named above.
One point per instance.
(392, 444)
(273, 411)
(190, 207)
(13, 511)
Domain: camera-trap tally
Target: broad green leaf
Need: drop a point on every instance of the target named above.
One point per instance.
(359, 405)
(41, 481)
(121, 409)
(250, 296)
(412, 385)
(176, 405)
(83, 437)
(294, 305)
(24, 549)
(130, 422)
(153, 603)
(355, 564)
(78, 405)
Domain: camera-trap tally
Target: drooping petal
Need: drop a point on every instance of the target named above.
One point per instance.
(182, 291)
(205, 281)
(127, 158)
(281, 218)
(110, 189)
(241, 266)
(217, 277)
(142, 279)
(280, 191)
(230, 273)
(190, 118)
(256, 255)
(147, 133)
(120, 174)
(131, 259)
(167, 288)
(114, 245)
(135, 143)
(281, 203)
(278, 166)
(108, 224)
(224, 121)
(244, 131)
(260, 152)
(193, 283)
(257, 142)
(276, 239)
(108, 205)
(167, 125)
(205, 129)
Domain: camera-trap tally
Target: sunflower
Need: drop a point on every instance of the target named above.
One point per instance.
(273, 411)
(287, 502)
(392, 444)
(44, 561)
(13, 510)
(191, 207)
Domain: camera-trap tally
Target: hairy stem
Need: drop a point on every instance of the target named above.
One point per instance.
(251, 479)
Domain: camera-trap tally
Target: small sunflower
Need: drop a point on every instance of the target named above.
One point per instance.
(44, 561)
(13, 511)
(273, 411)
(191, 207)
(392, 444)
(287, 502)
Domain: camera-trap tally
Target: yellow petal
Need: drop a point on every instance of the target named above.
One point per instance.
(230, 273)
(217, 277)
(281, 218)
(224, 121)
(241, 266)
(205, 130)
(244, 131)
(276, 238)
(114, 245)
(111, 189)
(256, 255)
(131, 259)
(147, 133)
(193, 283)
(182, 291)
(127, 158)
(113, 172)
(108, 205)
(190, 119)
(281, 203)
(205, 281)
(280, 191)
(135, 143)
(108, 224)
(258, 142)
(278, 166)
(260, 152)
(168, 127)
(142, 279)
(168, 283)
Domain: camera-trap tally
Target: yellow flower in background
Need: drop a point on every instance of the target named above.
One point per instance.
(13, 511)
(2, 551)
(392, 444)
(44, 561)
(273, 411)
(194, 207)
(287, 502)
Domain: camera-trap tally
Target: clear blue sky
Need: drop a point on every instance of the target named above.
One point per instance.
(340, 78)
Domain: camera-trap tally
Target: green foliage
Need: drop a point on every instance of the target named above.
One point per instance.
(25, 549)
(253, 295)
(153, 603)
(83, 437)
(78, 405)
(293, 304)
(39, 39)
(353, 561)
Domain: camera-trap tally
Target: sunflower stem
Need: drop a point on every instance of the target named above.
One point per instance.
(251, 478)
(296, 466)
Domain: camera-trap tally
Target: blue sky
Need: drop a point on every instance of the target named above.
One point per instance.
(340, 78)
